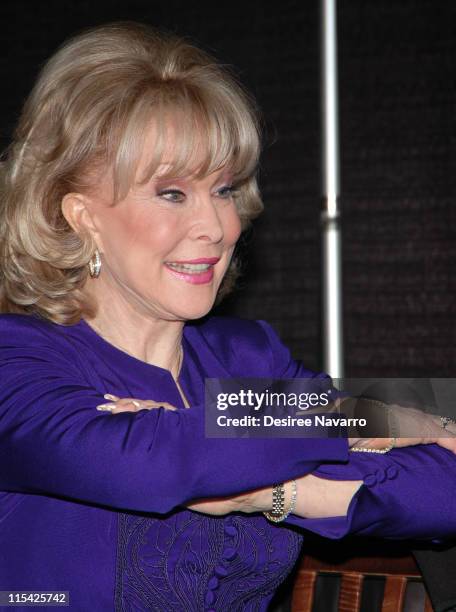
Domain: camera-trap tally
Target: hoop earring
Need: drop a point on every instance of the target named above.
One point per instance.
(95, 264)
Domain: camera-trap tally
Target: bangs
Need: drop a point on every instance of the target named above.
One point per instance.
(188, 131)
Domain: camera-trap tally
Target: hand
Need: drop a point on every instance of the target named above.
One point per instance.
(316, 498)
(257, 500)
(130, 404)
(416, 427)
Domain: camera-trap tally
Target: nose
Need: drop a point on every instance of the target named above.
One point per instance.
(207, 223)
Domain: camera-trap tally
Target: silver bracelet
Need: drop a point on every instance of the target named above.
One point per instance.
(380, 451)
(278, 513)
(294, 493)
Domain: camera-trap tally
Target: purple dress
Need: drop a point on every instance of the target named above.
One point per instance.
(90, 503)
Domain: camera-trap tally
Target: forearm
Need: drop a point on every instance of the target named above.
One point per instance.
(320, 498)
(316, 497)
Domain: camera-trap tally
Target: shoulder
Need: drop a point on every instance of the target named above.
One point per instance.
(19, 328)
(24, 335)
(241, 345)
(23, 323)
(246, 345)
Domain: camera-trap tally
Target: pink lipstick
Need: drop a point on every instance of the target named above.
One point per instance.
(195, 271)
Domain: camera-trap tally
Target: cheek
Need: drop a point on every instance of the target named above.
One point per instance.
(154, 233)
(232, 226)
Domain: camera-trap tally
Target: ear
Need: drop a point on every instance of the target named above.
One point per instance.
(77, 211)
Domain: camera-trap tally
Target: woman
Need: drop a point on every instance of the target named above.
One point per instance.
(129, 181)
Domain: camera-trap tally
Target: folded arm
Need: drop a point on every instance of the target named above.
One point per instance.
(407, 494)
(53, 441)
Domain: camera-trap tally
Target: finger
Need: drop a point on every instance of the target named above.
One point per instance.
(129, 404)
(402, 442)
(124, 408)
(448, 443)
(106, 407)
(141, 404)
(123, 401)
(119, 406)
(110, 396)
(154, 404)
(213, 508)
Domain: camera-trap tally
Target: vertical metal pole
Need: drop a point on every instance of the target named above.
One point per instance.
(331, 238)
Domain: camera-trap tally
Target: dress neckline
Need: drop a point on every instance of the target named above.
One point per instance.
(107, 346)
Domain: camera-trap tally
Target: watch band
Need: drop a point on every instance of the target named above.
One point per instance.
(278, 513)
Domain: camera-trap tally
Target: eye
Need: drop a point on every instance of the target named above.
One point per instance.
(172, 195)
(227, 191)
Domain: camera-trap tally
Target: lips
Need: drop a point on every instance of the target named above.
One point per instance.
(195, 271)
(202, 260)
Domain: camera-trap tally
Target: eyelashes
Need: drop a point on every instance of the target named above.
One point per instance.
(228, 191)
(177, 196)
(172, 195)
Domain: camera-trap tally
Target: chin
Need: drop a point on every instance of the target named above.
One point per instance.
(195, 311)
(195, 314)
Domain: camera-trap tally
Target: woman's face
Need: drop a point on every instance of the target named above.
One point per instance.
(166, 247)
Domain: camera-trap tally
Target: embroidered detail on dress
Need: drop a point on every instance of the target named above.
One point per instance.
(193, 562)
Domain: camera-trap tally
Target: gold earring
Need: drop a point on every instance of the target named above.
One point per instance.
(95, 264)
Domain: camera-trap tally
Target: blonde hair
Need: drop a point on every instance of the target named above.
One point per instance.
(88, 110)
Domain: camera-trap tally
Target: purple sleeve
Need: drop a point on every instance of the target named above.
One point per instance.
(406, 494)
(283, 365)
(54, 442)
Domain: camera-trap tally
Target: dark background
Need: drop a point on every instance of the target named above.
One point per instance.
(398, 137)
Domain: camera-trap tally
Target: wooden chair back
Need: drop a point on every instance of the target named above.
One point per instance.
(392, 562)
